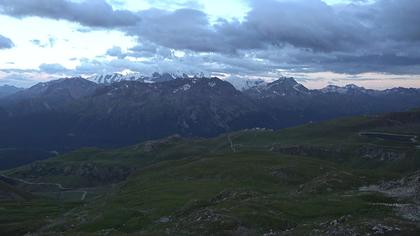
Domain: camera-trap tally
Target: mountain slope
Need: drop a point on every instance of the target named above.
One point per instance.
(6, 90)
(190, 107)
(125, 113)
(293, 104)
(48, 96)
(282, 87)
(307, 180)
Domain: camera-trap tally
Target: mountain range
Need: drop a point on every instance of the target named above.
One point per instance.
(6, 90)
(74, 112)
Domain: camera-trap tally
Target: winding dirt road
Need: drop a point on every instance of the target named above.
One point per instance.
(59, 186)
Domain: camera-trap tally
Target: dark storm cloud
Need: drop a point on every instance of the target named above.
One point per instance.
(355, 38)
(185, 29)
(310, 25)
(147, 49)
(5, 42)
(144, 49)
(304, 24)
(94, 13)
(116, 52)
(190, 29)
(397, 19)
(296, 35)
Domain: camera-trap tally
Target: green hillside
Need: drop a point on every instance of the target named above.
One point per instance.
(331, 178)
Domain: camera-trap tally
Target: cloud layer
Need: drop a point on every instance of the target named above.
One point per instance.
(275, 35)
(94, 13)
(5, 42)
(354, 38)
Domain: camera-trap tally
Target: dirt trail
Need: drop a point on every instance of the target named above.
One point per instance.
(231, 144)
(59, 186)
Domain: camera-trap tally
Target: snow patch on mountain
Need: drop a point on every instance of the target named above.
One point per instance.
(212, 84)
(343, 90)
(242, 84)
(183, 88)
(186, 87)
(118, 77)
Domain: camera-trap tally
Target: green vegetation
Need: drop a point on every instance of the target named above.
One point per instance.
(21, 217)
(298, 181)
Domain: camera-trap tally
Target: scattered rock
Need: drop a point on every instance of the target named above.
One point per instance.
(164, 220)
(381, 154)
(382, 229)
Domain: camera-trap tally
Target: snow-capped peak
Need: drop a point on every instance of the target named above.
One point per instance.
(116, 77)
(242, 84)
(333, 89)
(342, 90)
(354, 87)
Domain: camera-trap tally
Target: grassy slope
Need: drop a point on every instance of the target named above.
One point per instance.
(256, 191)
(239, 182)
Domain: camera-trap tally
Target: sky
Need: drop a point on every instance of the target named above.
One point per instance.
(371, 43)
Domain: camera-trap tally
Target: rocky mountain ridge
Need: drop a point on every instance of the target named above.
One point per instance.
(74, 112)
